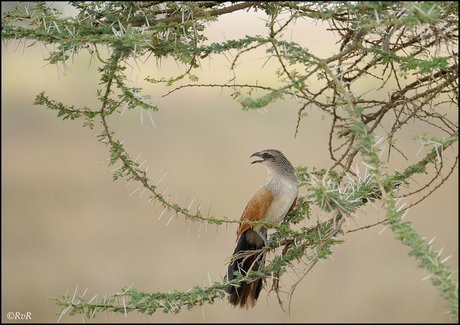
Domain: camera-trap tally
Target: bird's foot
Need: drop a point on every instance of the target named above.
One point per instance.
(270, 242)
(278, 236)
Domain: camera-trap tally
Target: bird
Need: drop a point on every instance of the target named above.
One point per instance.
(271, 203)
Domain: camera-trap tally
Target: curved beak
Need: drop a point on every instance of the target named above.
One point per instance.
(257, 154)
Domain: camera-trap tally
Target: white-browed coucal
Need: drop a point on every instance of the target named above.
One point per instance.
(271, 203)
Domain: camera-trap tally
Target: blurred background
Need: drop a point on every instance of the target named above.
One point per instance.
(66, 226)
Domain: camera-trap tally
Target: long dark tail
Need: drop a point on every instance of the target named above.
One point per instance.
(247, 293)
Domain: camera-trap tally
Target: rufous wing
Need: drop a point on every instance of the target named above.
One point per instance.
(292, 206)
(254, 209)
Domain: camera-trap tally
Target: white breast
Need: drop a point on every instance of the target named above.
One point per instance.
(280, 203)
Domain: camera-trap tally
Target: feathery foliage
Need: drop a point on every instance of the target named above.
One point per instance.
(415, 45)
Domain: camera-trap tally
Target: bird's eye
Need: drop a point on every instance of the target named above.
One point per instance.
(266, 155)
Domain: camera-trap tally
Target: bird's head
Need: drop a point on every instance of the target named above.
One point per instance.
(271, 157)
(275, 162)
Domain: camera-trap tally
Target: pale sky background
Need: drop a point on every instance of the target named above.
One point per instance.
(66, 223)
